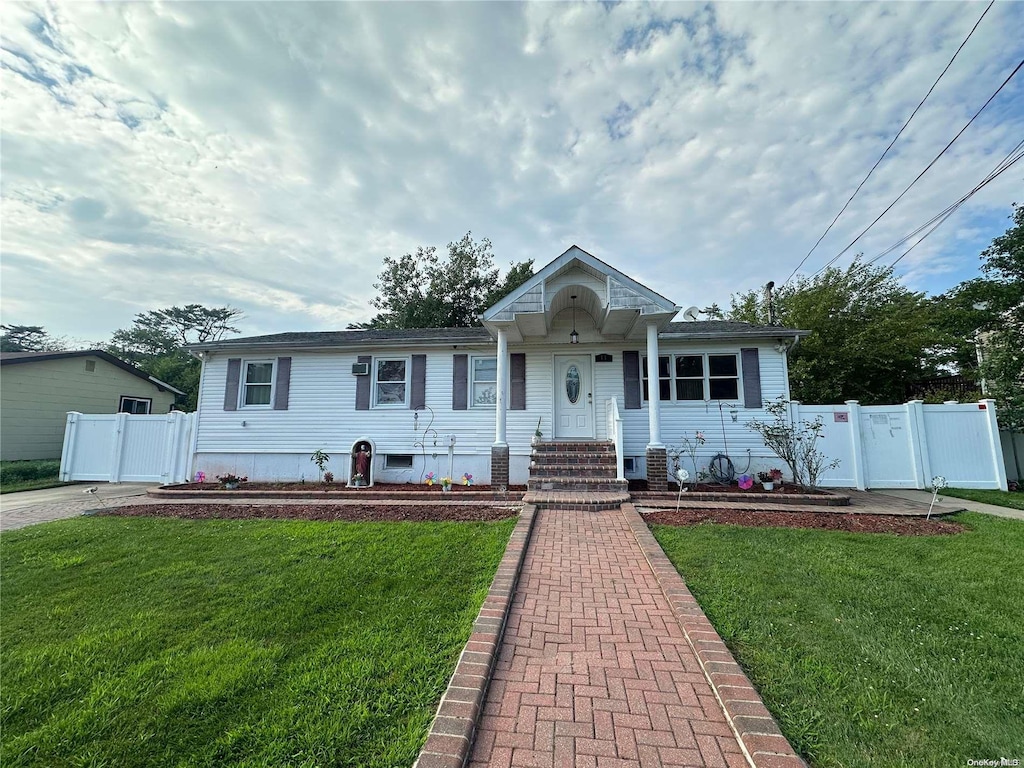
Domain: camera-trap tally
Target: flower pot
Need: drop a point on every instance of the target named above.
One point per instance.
(535, 439)
(768, 486)
(446, 489)
(231, 486)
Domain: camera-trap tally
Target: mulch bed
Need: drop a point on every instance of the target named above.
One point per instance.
(336, 486)
(355, 513)
(825, 521)
(788, 489)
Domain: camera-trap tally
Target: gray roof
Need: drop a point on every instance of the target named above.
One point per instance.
(13, 358)
(710, 329)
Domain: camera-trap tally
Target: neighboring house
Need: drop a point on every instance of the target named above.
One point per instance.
(570, 341)
(37, 389)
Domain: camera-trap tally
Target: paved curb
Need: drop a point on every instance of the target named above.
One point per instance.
(759, 735)
(451, 734)
(821, 499)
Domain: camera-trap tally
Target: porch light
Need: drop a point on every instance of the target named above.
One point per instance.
(574, 338)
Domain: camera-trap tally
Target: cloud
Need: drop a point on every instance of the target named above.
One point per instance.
(271, 155)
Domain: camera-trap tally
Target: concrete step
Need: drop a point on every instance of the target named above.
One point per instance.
(576, 500)
(589, 485)
(574, 446)
(597, 471)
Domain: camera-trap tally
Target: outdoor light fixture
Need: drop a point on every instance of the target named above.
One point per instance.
(574, 338)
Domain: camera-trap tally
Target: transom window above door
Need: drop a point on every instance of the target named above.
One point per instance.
(694, 378)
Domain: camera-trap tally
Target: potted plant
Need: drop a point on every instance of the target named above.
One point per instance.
(358, 480)
(769, 478)
(446, 485)
(230, 481)
(537, 434)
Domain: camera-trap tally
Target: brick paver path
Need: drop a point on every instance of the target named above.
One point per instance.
(594, 669)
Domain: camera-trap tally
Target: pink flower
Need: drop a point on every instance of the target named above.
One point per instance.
(746, 482)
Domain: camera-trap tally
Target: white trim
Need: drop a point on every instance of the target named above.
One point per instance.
(407, 360)
(243, 375)
(147, 400)
(558, 388)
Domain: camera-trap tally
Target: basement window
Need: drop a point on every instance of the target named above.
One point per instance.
(398, 461)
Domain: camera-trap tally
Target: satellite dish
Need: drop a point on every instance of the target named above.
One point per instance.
(690, 313)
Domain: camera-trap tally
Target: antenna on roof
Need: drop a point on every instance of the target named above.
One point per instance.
(690, 314)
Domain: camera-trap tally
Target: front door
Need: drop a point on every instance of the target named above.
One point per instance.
(574, 398)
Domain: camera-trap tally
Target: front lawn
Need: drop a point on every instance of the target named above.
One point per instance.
(872, 649)
(29, 475)
(153, 642)
(1012, 499)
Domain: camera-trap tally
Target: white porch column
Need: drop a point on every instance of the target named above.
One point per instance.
(500, 406)
(653, 401)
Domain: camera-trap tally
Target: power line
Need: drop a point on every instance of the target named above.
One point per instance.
(891, 143)
(1010, 159)
(888, 208)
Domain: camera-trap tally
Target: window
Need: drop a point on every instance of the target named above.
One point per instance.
(398, 461)
(90, 366)
(390, 384)
(694, 378)
(258, 384)
(484, 387)
(134, 405)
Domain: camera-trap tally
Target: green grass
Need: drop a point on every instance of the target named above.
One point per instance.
(29, 475)
(154, 642)
(872, 649)
(1014, 500)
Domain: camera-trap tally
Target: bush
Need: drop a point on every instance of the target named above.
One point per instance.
(22, 471)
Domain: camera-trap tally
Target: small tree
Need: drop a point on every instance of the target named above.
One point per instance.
(320, 458)
(794, 443)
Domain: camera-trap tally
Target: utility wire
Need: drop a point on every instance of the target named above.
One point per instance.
(891, 143)
(878, 218)
(1010, 159)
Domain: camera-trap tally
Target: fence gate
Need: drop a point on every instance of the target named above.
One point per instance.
(124, 448)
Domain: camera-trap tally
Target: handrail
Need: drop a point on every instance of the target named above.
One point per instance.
(615, 434)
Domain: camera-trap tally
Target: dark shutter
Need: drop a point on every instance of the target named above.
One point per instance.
(631, 380)
(751, 378)
(231, 387)
(517, 378)
(284, 379)
(460, 382)
(418, 396)
(363, 384)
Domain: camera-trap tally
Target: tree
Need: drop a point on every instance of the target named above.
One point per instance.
(29, 338)
(419, 290)
(868, 336)
(156, 342)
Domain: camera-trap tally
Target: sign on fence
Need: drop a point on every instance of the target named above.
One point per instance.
(124, 448)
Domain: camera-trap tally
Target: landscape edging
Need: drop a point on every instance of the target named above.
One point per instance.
(451, 734)
(755, 728)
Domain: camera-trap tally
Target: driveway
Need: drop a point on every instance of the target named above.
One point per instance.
(30, 507)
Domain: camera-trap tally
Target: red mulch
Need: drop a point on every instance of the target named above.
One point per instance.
(356, 513)
(826, 521)
(336, 486)
(779, 490)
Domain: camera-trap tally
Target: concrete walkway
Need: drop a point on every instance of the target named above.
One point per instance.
(947, 504)
(30, 507)
(594, 668)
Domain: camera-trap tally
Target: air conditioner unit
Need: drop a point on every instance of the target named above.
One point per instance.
(360, 369)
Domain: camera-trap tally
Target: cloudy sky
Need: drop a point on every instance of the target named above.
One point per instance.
(270, 155)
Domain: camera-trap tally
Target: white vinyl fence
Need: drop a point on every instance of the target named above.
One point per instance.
(905, 446)
(121, 447)
(1013, 452)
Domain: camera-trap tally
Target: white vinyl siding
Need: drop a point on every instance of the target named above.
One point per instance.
(258, 383)
(390, 382)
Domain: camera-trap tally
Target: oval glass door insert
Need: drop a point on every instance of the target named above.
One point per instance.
(572, 384)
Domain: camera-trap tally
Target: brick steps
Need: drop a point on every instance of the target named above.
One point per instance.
(575, 475)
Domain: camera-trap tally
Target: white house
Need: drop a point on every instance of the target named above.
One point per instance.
(571, 349)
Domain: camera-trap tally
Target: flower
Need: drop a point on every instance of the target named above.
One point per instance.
(467, 479)
(430, 478)
(745, 482)
(682, 475)
(446, 481)
(938, 482)
(200, 477)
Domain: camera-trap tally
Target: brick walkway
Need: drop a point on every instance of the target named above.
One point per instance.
(594, 669)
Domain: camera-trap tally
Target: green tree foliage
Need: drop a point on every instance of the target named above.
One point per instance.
(156, 340)
(424, 290)
(869, 333)
(29, 338)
